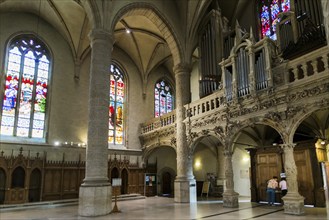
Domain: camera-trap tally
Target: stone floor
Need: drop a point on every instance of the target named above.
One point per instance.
(164, 208)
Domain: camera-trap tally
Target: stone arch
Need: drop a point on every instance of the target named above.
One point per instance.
(197, 140)
(301, 116)
(148, 150)
(154, 15)
(257, 121)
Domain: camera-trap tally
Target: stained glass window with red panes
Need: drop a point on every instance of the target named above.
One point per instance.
(24, 101)
(269, 11)
(163, 98)
(116, 106)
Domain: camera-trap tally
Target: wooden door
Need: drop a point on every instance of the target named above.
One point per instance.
(124, 181)
(267, 166)
(166, 184)
(2, 186)
(305, 177)
(35, 186)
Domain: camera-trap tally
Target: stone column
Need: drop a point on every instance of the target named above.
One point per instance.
(221, 166)
(293, 201)
(185, 184)
(252, 75)
(253, 176)
(268, 62)
(234, 80)
(325, 10)
(230, 197)
(95, 196)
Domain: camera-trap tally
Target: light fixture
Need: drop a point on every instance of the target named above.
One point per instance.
(245, 159)
(127, 30)
(197, 164)
(323, 142)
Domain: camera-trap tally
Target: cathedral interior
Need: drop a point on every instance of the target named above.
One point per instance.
(166, 98)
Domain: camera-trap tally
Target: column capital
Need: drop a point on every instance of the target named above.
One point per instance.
(181, 68)
(100, 34)
(228, 153)
(289, 146)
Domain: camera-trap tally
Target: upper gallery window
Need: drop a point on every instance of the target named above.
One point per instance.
(163, 98)
(269, 11)
(24, 102)
(117, 94)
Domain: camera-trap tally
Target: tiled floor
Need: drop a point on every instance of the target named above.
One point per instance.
(165, 208)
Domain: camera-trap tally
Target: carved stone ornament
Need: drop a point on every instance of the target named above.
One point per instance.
(274, 116)
(219, 130)
(191, 137)
(173, 141)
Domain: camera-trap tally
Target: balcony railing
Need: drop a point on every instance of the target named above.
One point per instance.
(311, 67)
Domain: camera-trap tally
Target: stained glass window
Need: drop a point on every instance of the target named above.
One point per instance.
(163, 98)
(116, 106)
(26, 88)
(269, 12)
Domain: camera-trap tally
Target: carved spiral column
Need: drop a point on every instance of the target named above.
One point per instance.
(230, 197)
(293, 201)
(95, 192)
(234, 81)
(185, 187)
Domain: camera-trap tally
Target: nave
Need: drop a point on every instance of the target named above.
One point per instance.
(164, 208)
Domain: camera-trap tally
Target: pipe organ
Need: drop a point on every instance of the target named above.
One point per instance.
(301, 29)
(228, 44)
(260, 74)
(210, 54)
(228, 83)
(248, 68)
(242, 65)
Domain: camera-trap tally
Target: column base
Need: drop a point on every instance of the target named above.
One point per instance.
(293, 204)
(230, 199)
(95, 200)
(185, 191)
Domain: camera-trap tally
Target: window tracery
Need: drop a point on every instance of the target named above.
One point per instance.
(26, 88)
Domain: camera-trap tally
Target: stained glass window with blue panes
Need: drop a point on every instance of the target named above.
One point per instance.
(163, 98)
(116, 106)
(269, 18)
(26, 88)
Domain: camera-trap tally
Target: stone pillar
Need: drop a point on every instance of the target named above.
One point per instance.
(95, 196)
(293, 201)
(325, 10)
(251, 75)
(221, 166)
(253, 176)
(185, 184)
(268, 62)
(230, 197)
(234, 80)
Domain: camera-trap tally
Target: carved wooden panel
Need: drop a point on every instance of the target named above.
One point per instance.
(54, 180)
(16, 195)
(136, 181)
